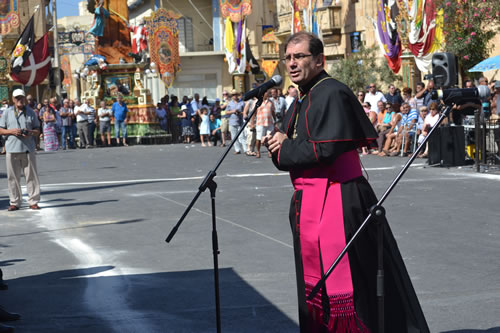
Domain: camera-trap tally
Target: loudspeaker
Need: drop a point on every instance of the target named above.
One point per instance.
(444, 69)
(447, 146)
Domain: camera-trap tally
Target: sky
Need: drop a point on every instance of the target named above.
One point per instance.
(67, 8)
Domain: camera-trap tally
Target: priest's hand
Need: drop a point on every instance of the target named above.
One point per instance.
(274, 143)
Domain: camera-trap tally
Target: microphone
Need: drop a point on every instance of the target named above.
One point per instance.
(260, 90)
(452, 95)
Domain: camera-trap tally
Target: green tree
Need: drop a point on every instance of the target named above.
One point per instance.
(362, 68)
(469, 26)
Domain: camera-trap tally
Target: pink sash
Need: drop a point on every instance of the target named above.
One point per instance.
(322, 238)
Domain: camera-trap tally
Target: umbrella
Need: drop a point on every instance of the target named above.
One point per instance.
(487, 65)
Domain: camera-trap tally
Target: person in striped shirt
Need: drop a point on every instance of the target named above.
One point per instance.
(407, 126)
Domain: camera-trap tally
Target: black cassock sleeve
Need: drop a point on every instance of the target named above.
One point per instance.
(334, 122)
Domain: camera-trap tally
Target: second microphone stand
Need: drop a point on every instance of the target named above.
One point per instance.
(209, 182)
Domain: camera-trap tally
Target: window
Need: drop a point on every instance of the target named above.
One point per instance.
(185, 27)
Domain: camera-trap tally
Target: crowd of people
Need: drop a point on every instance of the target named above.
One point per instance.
(195, 120)
(402, 118)
(61, 123)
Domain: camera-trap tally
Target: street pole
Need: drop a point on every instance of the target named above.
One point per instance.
(57, 72)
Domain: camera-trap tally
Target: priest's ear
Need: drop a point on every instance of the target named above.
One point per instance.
(320, 60)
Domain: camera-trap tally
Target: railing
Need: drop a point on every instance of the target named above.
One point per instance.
(329, 18)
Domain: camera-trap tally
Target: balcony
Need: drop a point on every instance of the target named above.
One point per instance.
(270, 50)
(285, 24)
(329, 18)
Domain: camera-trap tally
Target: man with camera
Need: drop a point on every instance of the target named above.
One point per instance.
(20, 124)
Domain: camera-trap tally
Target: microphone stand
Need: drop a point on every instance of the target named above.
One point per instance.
(377, 213)
(210, 183)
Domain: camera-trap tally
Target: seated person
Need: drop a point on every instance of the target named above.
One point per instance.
(406, 130)
(385, 116)
(430, 120)
(390, 136)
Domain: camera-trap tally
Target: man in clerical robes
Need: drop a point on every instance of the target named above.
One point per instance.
(317, 144)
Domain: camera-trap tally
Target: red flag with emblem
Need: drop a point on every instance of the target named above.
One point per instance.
(36, 67)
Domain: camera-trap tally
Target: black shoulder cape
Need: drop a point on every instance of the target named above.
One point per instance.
(324, 122)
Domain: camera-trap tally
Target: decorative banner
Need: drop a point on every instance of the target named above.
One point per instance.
(268, 33)
(297, 24)
(66, 68)
(269, 66)
(235, 9)
(9, 18)
(426, 32)
(387, 34)
(164, 44)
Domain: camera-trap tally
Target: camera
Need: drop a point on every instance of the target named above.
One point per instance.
(428, 77)
(24, 131)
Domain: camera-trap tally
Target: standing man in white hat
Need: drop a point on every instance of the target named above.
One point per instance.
(20, 124)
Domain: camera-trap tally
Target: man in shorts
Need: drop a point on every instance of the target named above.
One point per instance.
(104, 115)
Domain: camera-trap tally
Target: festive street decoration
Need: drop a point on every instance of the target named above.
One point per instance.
(9, 17)
(269, 66)
(297, 24)
(66, 68)
(164, 44)
(36, 68)
(426, 31)
(236, 10)
(387, 33)
(23, 47)
(235, 50)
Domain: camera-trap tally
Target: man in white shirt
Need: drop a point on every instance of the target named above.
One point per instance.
(290, 97)
(105, 114)
(82, 123)
(373, 97)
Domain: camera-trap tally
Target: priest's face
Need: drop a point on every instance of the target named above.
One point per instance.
(301, 65)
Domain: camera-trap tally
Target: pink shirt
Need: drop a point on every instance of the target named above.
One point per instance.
(264, 115)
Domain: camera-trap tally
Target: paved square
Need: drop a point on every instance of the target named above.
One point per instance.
(94, 259)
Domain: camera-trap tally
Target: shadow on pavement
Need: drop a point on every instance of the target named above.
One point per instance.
(81, 203)
(10, 262)
(70, 228)
(80, 301)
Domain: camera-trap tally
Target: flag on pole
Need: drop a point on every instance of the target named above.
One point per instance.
(23, 47)
(36, 68)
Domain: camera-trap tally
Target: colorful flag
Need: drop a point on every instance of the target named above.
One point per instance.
(296, 19)
(387, 34)
(254, 65)
(23, 47)
(241, 58)
(36, 68)
(426, 32)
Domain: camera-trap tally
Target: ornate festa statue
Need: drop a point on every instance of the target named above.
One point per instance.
(111, 30)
